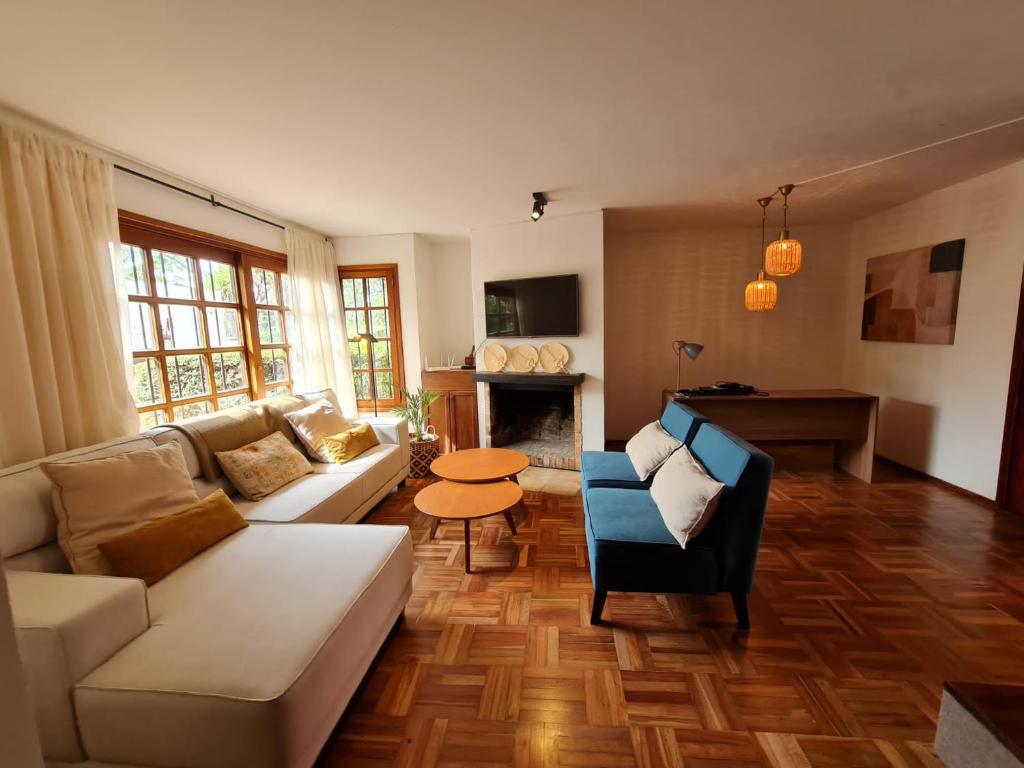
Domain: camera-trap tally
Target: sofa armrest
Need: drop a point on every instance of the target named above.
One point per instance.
(66, 627)
(392, 430)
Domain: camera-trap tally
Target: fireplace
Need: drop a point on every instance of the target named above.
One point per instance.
(535, 414)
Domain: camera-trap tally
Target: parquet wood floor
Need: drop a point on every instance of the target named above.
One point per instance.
(867, 599)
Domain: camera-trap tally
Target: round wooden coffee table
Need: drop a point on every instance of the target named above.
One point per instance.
(446, 500)
(480, 465)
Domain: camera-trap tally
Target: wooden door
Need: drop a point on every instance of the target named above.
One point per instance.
(1011, 470)
(438, 418)
(463, 420)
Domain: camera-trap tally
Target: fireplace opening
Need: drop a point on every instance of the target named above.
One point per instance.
(540, 423)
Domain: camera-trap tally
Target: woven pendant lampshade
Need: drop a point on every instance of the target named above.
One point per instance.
(784, 256)
(761, 294)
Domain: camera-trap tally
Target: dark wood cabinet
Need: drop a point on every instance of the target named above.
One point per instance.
(454, 415)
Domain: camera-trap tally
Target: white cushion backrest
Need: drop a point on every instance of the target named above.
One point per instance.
(26, 507)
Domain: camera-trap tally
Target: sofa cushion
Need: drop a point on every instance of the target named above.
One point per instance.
(67, 626)
(260, 468)
(681, 421)
(686, 495)
(97, 499)
(314, 423)
(610, 469)
(631, 550)
(236, 670)
(314, 498)
(376, 466)
(649, 448)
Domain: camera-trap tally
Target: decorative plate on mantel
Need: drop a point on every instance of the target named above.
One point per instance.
(553, 357)
(524, 358)
(495, 357)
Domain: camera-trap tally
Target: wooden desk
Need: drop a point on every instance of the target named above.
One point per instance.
(839, 416)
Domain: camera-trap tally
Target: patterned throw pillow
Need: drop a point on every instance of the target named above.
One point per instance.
(349, 444)
(258, 469)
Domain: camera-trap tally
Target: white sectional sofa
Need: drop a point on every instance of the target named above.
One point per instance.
(247, 655)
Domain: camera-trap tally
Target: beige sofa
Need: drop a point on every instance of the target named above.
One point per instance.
(245, 656)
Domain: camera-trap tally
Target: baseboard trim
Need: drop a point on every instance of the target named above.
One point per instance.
(975, 497)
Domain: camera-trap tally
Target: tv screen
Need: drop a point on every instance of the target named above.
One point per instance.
(535, 306)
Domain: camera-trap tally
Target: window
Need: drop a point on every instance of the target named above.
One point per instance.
(369, 296)
(270, 294)
(208, 321)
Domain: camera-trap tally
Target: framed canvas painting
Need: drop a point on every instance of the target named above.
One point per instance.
(912, 295)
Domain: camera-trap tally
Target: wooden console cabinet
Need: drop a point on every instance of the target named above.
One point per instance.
(454, 415)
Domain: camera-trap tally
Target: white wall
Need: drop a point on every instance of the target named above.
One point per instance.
(400, 250)
(18, 736)
(688, 284)
(553, 246)
(140, 196)
(943, 406)
(452, 304)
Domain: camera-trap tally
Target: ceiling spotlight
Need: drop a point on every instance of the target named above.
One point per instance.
(539, 201)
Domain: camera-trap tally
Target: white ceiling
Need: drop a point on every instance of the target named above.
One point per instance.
(442, 116)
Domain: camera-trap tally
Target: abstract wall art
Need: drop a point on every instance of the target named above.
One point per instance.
(912, 295)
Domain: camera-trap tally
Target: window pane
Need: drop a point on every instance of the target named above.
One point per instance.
(228, 371)
(362, 382)
(355, 322)
(352, 292)
(379, 325)
(140, 319)
(382, 354)
(181, 326)
(175, 275)
(282, 390)
(133, 261)
(188, 376)
(275, 365)
(218, 281)
(357, 351)
(377, 292)
(264, 286)
(192, 409)
(151, 419)
(149, 386)
(269, 323)
(224, 326)
(231, 401)
(385, 386)
(286, 289)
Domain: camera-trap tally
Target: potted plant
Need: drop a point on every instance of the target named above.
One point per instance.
(424, 444)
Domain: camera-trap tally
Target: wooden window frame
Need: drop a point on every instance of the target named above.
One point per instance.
(390, 273)
(149, 233)
(279, 268)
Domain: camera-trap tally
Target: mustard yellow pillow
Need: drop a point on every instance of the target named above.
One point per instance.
(346, 445)
(258, 469)
(157, 548)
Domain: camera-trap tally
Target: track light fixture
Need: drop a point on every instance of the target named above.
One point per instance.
(539, 201)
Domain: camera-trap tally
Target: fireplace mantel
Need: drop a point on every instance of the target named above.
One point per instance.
(539, 379)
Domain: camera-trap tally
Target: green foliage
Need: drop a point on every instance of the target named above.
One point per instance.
(415, 408)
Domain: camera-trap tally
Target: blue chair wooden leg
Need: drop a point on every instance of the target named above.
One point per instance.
(739, 604)
(595, 614)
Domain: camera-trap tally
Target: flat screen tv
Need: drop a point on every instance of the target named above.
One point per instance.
(534, 306)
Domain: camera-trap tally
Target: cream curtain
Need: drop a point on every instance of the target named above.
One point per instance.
(319, 344)
(63, 382)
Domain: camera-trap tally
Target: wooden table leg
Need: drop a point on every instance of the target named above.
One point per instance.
(466, 532)
(433, 527)
(510, 521)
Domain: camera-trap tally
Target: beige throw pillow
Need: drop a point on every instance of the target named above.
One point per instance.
(258, 469)
(686, 495)
(98, 499)
(649, 448)
(315, 422)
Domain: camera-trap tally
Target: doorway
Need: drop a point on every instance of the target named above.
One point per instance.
(1010, 493)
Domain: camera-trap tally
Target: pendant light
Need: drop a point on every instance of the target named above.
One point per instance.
(784, 255)
(761, 294)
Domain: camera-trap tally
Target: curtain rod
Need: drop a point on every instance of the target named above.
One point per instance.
(211, 199)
